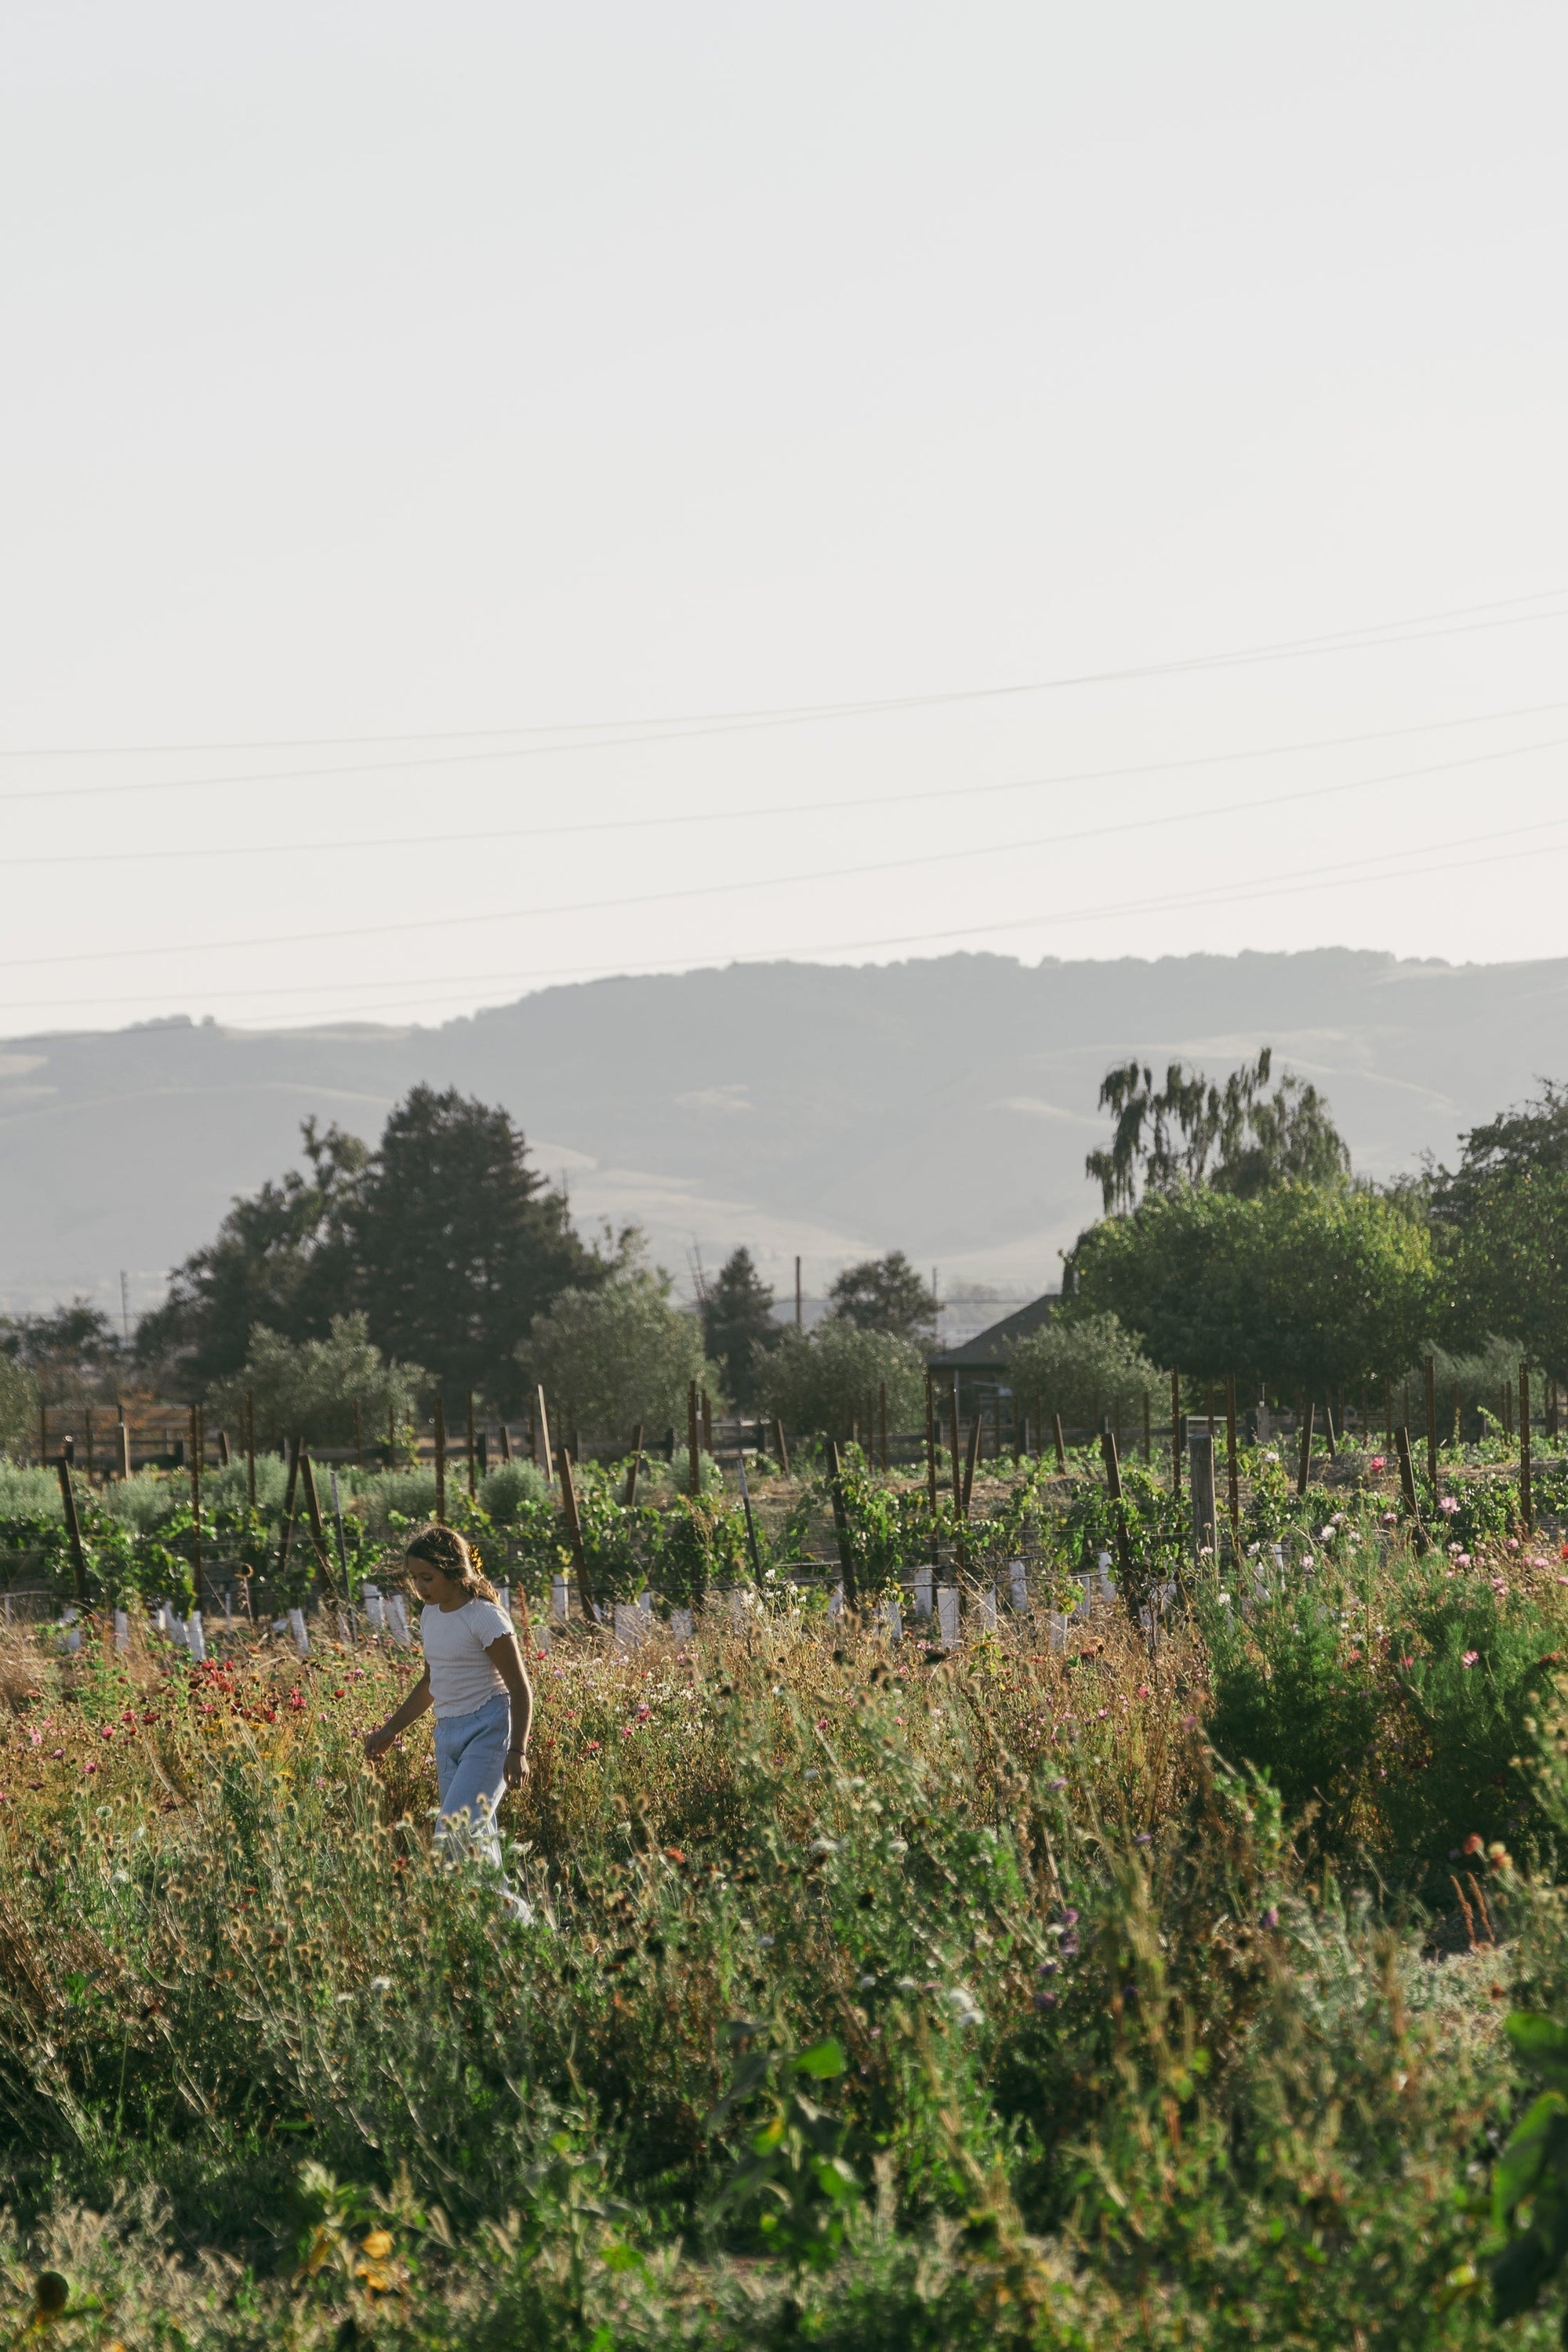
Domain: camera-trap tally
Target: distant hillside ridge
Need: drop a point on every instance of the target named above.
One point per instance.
(942, 1106)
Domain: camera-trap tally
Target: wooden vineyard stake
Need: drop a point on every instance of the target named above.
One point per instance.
(1175, 1432)
(505, 1440)
(1061, 1444)
(632, 1466)
(249, 1450)
(707, 1423)
(1408, 1481)
(1328, 1446)
(287, 1538)
(225, 1452)
(318, 1532)
(931, 1453)
(1430, 1378)
(975, 1426)
(440, 1460)
(73, 1531)
(1110, 1454)
(841, 1527)
(694, 1457)
(473, 1453)
(882, 1423)
(123, 1427)
(1233, 1466)
(359, 1439)
(1304, 1473)
(198, 1447)
(541, 1436)
(1206, 1534)
(957, 1473)
(1525, 1511)
(574, 1532)
(783, 1448)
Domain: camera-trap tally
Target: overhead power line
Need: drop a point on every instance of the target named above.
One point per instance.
(1457, 620)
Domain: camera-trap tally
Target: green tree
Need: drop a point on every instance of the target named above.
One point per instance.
(18, 1404)
(739, 1325)
(71, 1351)
(281, 1259)
(309, 1387)
(1081, 1367)
(885, 1293)
(620, 1353)
(1235, 1138)
(457, 1244)
(825, 1380)
(1500, 1224)
(1301, 1288)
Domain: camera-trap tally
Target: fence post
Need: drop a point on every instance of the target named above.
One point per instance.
(574, 1529)
(841, 1527)
(707, 1422)
(1061, 1444)
(318, 1532)
(1407, 1480)
(930, 1458)
(1200, 1457)
(970, 1460)
(124, 1434)
(1429, 1371)
(288, 1535)
(957, 1473)
(1525, 1511)
(73, 1529)
(1304, 1473)
(694, 1457)
(779, 1440)
(629, 1497)
(541, 1436)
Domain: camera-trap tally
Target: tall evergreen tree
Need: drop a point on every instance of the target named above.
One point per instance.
(738, 1325)
(457, 1242)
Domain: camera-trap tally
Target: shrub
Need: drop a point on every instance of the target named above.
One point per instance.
(827, 1379)
(620, 1354)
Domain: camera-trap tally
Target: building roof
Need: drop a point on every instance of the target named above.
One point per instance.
(987, 1351)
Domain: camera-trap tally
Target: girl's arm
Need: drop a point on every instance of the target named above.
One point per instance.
(413, 1708)
(507, 1659)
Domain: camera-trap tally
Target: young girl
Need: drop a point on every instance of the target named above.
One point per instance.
(475, 1679)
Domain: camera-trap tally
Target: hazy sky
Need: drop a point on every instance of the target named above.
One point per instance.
(400, 372)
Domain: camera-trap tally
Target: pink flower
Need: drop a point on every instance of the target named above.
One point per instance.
(1470, 1658)
(1449, 1502)
(1379, 1462)
(593, 1747)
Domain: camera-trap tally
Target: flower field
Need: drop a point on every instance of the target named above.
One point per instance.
(1069, 1983)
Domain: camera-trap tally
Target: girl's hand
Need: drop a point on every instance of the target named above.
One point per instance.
(516, 1766)
(376, 1743)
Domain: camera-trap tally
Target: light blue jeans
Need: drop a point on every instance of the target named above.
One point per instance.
(470, 1776)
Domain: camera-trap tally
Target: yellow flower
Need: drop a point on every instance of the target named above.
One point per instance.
(378, 2245)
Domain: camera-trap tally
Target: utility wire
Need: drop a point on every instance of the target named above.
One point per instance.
(834, 806)
(1413, 629)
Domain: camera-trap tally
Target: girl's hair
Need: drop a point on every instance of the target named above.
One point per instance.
(445, 1549)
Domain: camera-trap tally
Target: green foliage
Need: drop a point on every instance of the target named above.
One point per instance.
(792, 2162)
(18, 1404)
(738, 1326)
(619, 1354)
(310, 1388)
(1500, 1224)
(1190, 1132)
(827, 1379)
(885, 1293)
(1302, 1289)
(1081, 1367)
(1530, 2186)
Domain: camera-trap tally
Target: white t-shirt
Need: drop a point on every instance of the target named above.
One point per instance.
(462, 1677)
